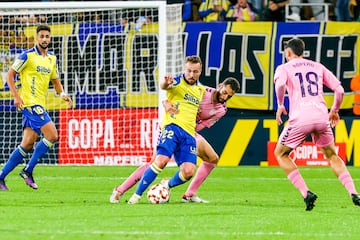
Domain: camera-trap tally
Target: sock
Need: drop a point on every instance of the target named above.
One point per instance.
(348, 182)
(132, 179)
(15, 158)
(41, 148)
(298, 181)
(177, 179)
(203, 171)
(148, 177)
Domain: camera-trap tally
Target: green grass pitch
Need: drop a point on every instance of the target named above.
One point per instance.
(72, 202)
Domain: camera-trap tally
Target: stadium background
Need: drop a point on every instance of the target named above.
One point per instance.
(248, 51)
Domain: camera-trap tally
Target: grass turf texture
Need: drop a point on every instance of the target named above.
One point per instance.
(72, 202)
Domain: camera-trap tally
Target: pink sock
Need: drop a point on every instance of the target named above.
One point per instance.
(298, 181)
(133, 178)
(203, 171)
(348, 182)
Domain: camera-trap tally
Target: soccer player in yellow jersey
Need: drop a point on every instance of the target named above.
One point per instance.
(35, 68)
(178, 130)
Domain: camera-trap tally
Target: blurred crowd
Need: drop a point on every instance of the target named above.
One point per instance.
(270, 10)
(13, 23)
(192, 10)
(253, 10)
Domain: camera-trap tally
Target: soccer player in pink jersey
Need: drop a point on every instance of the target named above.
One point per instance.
(308, 115)
(212, 108)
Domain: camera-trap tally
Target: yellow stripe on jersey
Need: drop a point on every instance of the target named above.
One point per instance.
(35, 72)
(187, 99)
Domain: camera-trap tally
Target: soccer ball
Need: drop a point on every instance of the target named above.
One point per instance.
(158, 193)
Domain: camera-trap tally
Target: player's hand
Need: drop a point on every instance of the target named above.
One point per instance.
(281, 110)
(333, 118)
(170, 107)
(169, 80)
(18, 102)
(67, 99)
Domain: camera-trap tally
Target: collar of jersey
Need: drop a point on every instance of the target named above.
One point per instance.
(37, 50)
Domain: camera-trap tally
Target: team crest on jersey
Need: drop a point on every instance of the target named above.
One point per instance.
(193, 150)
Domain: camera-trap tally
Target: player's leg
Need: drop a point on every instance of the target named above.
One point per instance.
(293, 174)
(17, 156)
(341, 172)
(129, 182)
(289, 167)
(165, 148)
(149, 176)
(185, 157)
(50, 134)
(325, 140)
(133, 178)
(27, 143)
(173, 141)
(210, 159)
(290, 138)
(185, 173)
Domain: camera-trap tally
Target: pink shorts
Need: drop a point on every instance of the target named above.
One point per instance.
(294, 136)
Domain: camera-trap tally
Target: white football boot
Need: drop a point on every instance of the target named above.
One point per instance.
(135, 199)
(115, 196)
(194, 198)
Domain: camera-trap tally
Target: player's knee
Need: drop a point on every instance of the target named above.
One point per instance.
(210, 158)
(277, 153)
(188, 171)
(281, 151)
(214, 159)
(27, 146)
(329, 152)
(53, 138)
(161, 161)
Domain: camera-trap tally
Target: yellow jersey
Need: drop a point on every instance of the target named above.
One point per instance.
(187, 99)
(35, 72)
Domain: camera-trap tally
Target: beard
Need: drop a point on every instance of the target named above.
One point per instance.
(218, 99)
(43, 46)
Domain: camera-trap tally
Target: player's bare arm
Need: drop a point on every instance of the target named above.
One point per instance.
(167, 82)
(333, 118)
(18, 102)
(59, 90)
(170, 107)
(280, 111)
(333, 115)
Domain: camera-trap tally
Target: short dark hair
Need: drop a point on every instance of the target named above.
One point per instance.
(233, 82)
(193, 59)
(296, 45)
(42, 28)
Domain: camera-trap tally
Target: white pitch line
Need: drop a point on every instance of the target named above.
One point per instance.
(215, 233)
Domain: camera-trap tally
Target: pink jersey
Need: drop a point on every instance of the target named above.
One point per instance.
(304, 80)
(209, 111)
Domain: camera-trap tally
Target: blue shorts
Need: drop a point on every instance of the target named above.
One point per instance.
(177, 142)
(35, 117)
